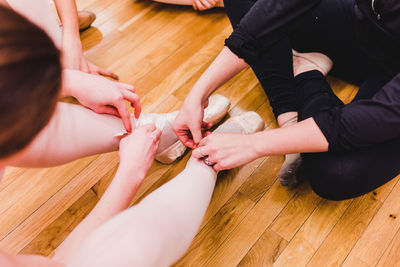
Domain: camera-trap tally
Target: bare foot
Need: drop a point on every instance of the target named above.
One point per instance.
(303, 62)
(287, 118)
(301, 65)
(86, 18)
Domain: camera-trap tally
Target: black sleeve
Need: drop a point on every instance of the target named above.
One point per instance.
(267, 22)
(364, 122)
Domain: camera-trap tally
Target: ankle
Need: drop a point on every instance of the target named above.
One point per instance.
(195, 163)
(287, 118)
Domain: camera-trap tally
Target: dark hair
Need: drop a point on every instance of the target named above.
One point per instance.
(30, 81)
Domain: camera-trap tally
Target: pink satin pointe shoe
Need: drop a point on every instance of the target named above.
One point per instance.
(170, 148)
(246, 123)
(316, 59)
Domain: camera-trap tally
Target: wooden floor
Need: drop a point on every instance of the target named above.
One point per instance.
(252, 220)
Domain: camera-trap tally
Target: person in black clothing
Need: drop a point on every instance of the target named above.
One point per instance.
(347, 150)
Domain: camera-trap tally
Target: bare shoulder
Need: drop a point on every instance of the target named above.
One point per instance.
(7, 260)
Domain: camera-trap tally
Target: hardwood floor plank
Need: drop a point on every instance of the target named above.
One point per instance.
(246, 234)
(296, 212)
(391, 257)
(216, 231)
(311, 235)
(380, 231)
(335, 248)
(265, 252)
(54, 234)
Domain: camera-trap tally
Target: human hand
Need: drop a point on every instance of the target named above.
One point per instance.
(202, 5)
(138, 149)
(227, 150)
(189, 122)
(102, 95)
(73, 58)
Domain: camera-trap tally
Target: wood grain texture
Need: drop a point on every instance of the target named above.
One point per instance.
(251, 220)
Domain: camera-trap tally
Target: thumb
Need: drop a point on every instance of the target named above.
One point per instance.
(196, 133)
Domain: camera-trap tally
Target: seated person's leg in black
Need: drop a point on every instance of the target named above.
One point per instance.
(339, 176)
(330, 30)
(274, 70)
(371, 86)
(343, 175)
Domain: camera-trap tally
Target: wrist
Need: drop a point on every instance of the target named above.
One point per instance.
(67, 88)
(129, 169)
(197, 97)
(129, 177)
(202, 90)
(257, 144)
(71, 41)
(71, 30)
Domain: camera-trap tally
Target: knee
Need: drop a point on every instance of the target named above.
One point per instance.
(330, 179)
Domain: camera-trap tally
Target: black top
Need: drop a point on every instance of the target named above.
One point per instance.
(378, 25)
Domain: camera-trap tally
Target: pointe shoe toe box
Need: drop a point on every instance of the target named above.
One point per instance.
(251, 122)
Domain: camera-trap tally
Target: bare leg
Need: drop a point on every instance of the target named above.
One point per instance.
(73, 132)
(155, 232)
(39, 12)
(158, 230)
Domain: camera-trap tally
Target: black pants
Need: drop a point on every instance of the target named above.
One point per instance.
(328, 29)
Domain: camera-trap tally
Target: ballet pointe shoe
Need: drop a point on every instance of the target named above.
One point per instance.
(246, 123)
(86, 18)
(217, 108)
(318, 59)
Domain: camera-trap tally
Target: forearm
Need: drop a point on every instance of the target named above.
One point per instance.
(225, 66)
(116, 199)
(302, 137)
(73, 132)
(68, 14)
